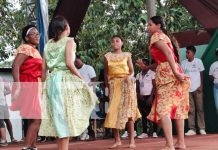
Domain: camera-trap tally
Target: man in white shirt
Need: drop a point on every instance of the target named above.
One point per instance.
(86, 71)
(145, 82)
(213, 73)
(89, 75)
(193, 67)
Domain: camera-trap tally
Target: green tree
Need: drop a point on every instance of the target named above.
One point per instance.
(128, 19)
(12, 20)
(177, 18)
(107, 18)
(104, 18)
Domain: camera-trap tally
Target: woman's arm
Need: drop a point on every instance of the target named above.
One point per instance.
(18, 61)
(142, 66)
(202, 80)
(161, 45)
(69, 56)
(105, 72)
(130, 65)
(169, 55)
(44, 68)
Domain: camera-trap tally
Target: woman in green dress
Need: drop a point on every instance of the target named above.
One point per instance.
(68, 101)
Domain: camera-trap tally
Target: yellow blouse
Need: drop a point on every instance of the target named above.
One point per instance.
(117, 64)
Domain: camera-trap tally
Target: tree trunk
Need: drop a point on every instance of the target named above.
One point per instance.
(151, 9)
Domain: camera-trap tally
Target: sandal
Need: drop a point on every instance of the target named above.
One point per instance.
(34, 148)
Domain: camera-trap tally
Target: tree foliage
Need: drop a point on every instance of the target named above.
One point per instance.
(176, 16)
(12, 20)
(103, 19)
(127, 18)
(107, 18)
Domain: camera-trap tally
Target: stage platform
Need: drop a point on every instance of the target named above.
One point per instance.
(198, 142)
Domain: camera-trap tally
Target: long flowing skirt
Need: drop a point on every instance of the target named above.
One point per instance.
(122, 105)
(172, 95)
(67, 105)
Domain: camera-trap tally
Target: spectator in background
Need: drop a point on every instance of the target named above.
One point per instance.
(3, 112)
(193, 67)
(88, 74)
(126, 134)
(86, 71)
(145, 85)
(213, 73)
(4, 109)
(104, 100)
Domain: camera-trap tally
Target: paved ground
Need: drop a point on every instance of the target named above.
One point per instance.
(207, 142)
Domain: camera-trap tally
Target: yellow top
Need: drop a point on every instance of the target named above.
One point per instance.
(117, 64)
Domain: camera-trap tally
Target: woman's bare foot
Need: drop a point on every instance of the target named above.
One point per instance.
(168, 148)
(117, 144)
(132, 145)
(180, 145)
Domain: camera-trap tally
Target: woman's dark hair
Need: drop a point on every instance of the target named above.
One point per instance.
(118, 36)
(57, 25)
(158, 20)
(24, 31)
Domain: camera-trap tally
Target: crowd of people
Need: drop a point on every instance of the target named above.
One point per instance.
(61, 102)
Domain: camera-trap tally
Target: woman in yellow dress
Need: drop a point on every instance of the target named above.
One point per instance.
(122, 93)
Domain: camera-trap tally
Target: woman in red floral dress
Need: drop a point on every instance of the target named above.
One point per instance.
(172, 86)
